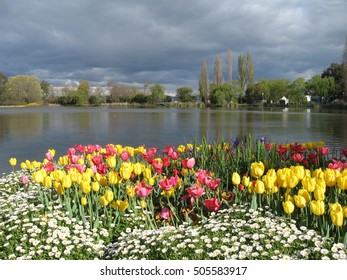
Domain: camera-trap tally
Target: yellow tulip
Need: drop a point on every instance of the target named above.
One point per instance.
(319, 193)
(125, 170)
(245, 180)
(271, 173)
(60, 189)
(259, 187)
(80, 161)
(342, 182)
(63, 160)
(130, 191)
(38, 176)
(23, 165)
(317, 207)
(13, 162)
(318, 173)
(282, 177)
(47, 182)
(111, 161)
(66, 181)
(121, 205)
(257, 169)
(292, 181)
(309, 183)
(300, 201)
(336, 214)
(143, 203)
(86, 177)
(85, 187)
(109, 195)
(83, 200)
(147, 173)
(181, 149)
(330, 177)
(288, 206)
(235, 178)
(169, 193)
(138, 168)
(140, 150)
(113, 178)
(103, 201)
(304, 193)
(299, 171)
(95, 186)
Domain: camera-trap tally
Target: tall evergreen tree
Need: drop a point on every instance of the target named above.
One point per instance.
(250, 70)
(204, 84)
(242, 72)
(217, 71)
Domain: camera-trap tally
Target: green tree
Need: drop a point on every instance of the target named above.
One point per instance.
(204, 84)
(184, 94)
(157, 94)
(45, 86)
(222, 95)
(3, 83)
(296, 92)
(278, 89)
(336, 72)
(23, 89)
(321, 87)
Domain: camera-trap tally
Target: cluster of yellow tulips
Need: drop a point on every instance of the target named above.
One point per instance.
(298, 189)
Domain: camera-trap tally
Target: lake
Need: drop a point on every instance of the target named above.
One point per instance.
(27, 133)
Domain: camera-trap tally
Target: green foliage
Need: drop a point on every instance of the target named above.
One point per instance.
(321, 87)
(140, 98)
(157, 94)
(96, 100)
(335, 71)
(185, 94)
(22, 89)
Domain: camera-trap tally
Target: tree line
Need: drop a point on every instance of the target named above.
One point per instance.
(331, 84)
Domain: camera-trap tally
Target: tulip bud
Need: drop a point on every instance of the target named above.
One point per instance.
(83, 200)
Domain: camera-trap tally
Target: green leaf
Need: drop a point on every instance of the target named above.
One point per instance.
(254, 204)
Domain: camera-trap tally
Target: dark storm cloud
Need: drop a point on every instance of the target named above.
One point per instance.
(165, 41)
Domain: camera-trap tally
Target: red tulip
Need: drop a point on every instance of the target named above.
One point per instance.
(212, 204)
(125, 155)
(297, 157)
(344, 151)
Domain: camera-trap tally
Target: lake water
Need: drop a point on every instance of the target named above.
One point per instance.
(27, 133)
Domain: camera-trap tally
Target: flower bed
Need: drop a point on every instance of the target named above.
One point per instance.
(110, 202)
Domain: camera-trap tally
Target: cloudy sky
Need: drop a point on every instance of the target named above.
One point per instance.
(162, 41)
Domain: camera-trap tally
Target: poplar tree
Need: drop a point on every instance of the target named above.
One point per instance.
(217, 71)
(229, 66)
(344, 62)
(204, 86)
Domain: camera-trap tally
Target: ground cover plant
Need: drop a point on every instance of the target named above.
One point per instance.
(244, 199)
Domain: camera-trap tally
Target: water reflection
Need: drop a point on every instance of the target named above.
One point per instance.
(27, 133)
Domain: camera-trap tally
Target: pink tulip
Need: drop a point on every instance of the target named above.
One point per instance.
(203, 176)
(212, 204)
(49, 156)
(158, 166)
(25, 179)
(125, 155)
(195, 191)
(165, 213)
(188, 163)
(49, 167)
(168, 183)
(143, 190)
(324, 151)
(214, 184)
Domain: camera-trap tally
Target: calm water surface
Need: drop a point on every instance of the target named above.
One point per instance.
(27, 133)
